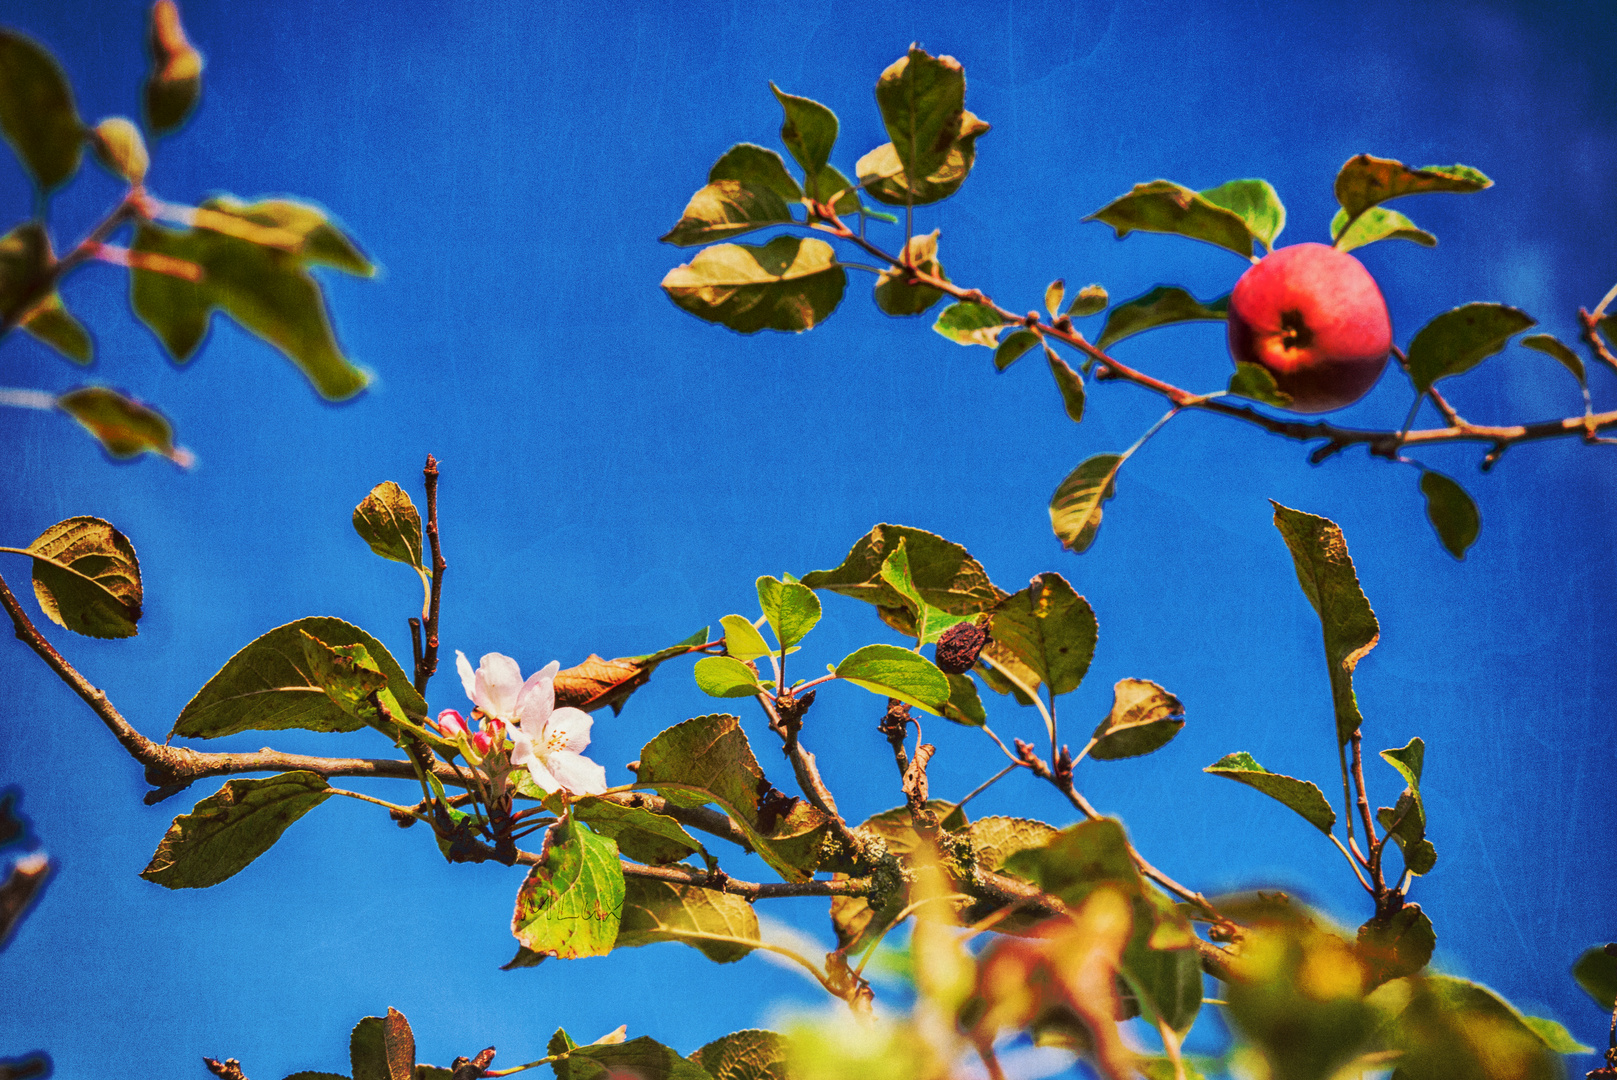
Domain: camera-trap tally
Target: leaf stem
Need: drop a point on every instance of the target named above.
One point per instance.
(402, 811)
(1346, 854)
(1010, 677)
(986, 784)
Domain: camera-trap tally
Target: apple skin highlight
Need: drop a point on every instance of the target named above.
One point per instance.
(1315, 319)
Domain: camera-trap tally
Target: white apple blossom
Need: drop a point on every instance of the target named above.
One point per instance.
(547, 740)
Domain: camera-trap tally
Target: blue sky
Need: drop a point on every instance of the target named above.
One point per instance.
(616, 473)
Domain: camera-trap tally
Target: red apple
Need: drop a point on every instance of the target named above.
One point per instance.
(1314, 318)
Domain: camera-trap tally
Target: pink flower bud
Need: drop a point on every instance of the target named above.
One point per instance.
(481, 742)
(451, 723)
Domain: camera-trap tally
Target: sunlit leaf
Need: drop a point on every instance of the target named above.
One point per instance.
(1165, 207)
(86, 578)
(1299, 795)
(1075, 508)
(894, 672)
(643, 1059)
(970, 324)
(1375, 224)
(656, 911)
(744, 1055)
(895, 295)
(788, 284)
(1325, 572)
(707, 760)
(1051, 629)
(1596, 972)
(265, 289)
(943, 573)
(725, 209)
(1015, 346)
(1451, 511)
(791, 607)
(654, 839)
(1091, 300)
(1070, 383)
(125, 427)
(1366, 181)
(1550, 345)
(742, 640)
(1256, 203)
(1445, 1027)
(922, 101)
(268, 686)
(1258, 383)
(231, 828)
(1162, 306)
(388, 521)
(37, 114)
(1054, 294)
(725, 677)
(346, 673)
(120, 149)
(1555, 1036)
(569, 905)
(1144, 718)
(1458, 340)
(50, 322)
(758, 168)
(297, 228)
(175, 81)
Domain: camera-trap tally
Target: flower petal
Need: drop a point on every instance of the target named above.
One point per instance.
(467, 679)
(537, 696)
(542, 776)
(576, 772)
(568, 731)
(498, 681)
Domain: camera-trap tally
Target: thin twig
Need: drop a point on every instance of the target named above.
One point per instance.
(428, 665)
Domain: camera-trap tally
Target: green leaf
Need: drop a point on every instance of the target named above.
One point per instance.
(120, 149)
(788, 284)
(175, 80)
(388, 521)
(895, 295)
(1054, 294)
(791, 608)
(1406, 823)
(1458, 340)
(1396, 945)
(995, 839)
(1162, 306)
(921, 98)
(1091, 300)
(725, 677)
(964, 706)
(299, 229)
(86, 578)
(231, 828)
(269, 686)
(744, 1055)
(1070, 383)
(882, 174)
(265, 289)
(970, 324)
(1451, 512)
(1325, 572)
(1555, 1036)
(346, 673)
(367, 1050)
(1376, 224)
(679, 648)
(1256, 203)
(1596, 972)
(125, 427)
(1552, 346)
(928, 622)
(809, 130)
(1144, 718)
(50, 322)
(1445, 1027)
(1075, 508)
(656, 911)
(1014, 347)
(1367, 181)
(756, 168)
(1300, 795)
(707, 760)
(642, 1058)
(1258, 383)
(725, 209)
(1051, 629)
(654, 839)
(37, 114)
(1162, 206)
(943, 573)
(894, 672)
(742, 640)
(25, 258)
(569, 905)
(822, 185)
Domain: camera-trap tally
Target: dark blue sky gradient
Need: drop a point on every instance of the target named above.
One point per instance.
(616, 473)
